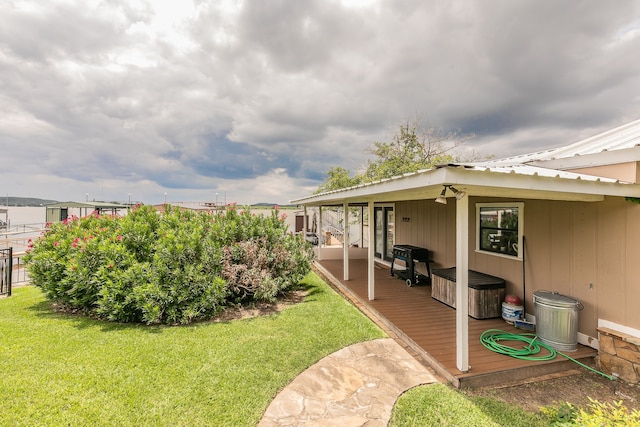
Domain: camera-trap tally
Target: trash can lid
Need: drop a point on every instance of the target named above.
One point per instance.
(554, 298)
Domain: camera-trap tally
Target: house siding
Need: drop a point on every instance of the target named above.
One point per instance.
(588, 251)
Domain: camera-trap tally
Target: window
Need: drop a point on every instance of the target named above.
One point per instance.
(499, 228)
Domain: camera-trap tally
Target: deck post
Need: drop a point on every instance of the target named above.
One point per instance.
(345, 241)
(320, 233)
(371, 283)
(362, 226)
(462, 284)
(305, 222)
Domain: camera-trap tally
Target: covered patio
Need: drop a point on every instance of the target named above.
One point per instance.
(428, 327)
(581, 226)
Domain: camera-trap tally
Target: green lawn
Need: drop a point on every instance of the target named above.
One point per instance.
(441, 405)
(63, 370)
(68, 370)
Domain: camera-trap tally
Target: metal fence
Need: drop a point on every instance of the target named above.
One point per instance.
(20, 274)
(6, 271)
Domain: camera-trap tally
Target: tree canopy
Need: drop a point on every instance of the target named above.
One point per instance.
(337, 178)
(412, 148)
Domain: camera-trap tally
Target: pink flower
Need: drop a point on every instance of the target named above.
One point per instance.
(119, 238)
(55, 244)
(283, 217)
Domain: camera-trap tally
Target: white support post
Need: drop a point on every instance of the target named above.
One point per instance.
(371, 284)
(362, 226)
(462, 284)
(305, 222)
(345, 241)
(320, 233)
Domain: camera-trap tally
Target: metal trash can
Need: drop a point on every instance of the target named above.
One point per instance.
(557, 320)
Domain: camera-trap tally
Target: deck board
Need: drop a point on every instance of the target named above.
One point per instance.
(431, 324)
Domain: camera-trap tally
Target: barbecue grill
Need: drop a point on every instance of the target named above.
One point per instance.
(411, 255)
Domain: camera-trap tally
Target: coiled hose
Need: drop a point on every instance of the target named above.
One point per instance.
(491, 339)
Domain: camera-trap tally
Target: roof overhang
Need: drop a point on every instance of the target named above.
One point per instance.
(524, 182)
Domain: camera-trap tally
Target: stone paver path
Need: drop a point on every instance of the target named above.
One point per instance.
(355, 386)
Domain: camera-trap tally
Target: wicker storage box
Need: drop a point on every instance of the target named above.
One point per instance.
(486, 292)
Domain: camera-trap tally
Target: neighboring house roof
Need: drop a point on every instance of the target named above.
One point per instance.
(96, 205)
(618, 145)
(543, 174)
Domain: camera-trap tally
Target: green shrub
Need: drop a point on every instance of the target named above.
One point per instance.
(170, 267)
(597, 414)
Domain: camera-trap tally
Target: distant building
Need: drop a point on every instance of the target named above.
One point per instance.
(61, 211)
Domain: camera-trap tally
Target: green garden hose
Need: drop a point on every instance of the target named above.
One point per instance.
(491, 339)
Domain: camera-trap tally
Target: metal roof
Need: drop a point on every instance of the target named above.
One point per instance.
(624, 139)
(95, 205)
(537, 175)
(543, 172)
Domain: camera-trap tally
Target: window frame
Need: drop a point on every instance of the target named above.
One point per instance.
(520, 230)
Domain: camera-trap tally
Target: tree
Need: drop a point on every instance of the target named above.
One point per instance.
(413, 148)
(337, 178)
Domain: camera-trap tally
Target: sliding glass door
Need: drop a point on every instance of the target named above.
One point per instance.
(384, 231)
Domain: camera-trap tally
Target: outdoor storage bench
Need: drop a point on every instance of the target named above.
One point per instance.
(486, 292)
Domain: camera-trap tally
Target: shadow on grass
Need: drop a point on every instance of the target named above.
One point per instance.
(311, 291)
(47, 310)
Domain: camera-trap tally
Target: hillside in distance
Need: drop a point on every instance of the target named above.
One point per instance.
(271, 205)
(24, 201)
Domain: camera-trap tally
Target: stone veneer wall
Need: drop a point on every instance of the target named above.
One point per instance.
(619, 355)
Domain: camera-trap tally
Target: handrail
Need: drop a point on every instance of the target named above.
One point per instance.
(23, 228)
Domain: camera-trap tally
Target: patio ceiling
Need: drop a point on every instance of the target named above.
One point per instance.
(518, 181)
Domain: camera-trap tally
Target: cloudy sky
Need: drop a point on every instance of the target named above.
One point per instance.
(253, 100)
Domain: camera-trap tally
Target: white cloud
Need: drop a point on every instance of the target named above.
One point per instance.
(259, 99)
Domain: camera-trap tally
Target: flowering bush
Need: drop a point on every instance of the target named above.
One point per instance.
(170, 267)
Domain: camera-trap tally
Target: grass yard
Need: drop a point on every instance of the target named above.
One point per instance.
(440, 405)
(65, 370)
(58, 369)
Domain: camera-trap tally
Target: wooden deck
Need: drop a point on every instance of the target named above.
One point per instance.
(427, 326)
